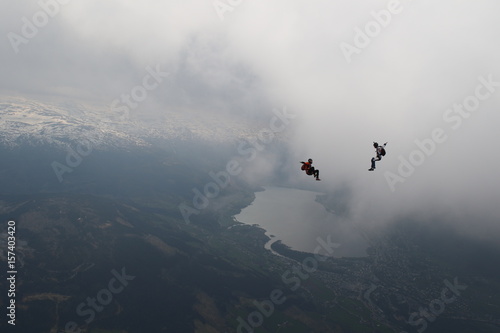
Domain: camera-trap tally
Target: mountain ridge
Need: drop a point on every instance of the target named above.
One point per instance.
(34, 122)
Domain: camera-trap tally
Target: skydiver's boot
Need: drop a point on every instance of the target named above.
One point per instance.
(371, 169)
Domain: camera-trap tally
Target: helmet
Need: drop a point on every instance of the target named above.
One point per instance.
(375, 144)
(310, 160)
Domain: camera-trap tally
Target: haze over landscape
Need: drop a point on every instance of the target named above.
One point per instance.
(134, 130)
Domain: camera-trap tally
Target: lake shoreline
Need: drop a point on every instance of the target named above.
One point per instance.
(296, 218)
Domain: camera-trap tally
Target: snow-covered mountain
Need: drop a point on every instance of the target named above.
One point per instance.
(33, 122)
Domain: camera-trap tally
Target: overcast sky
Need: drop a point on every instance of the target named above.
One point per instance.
(353, 72)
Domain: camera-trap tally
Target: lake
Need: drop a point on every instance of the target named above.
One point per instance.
(294, 217)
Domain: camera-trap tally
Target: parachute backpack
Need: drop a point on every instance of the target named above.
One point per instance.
(382, 150)
(303, 167)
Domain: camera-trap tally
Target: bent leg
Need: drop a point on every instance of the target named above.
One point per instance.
(373, 161)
